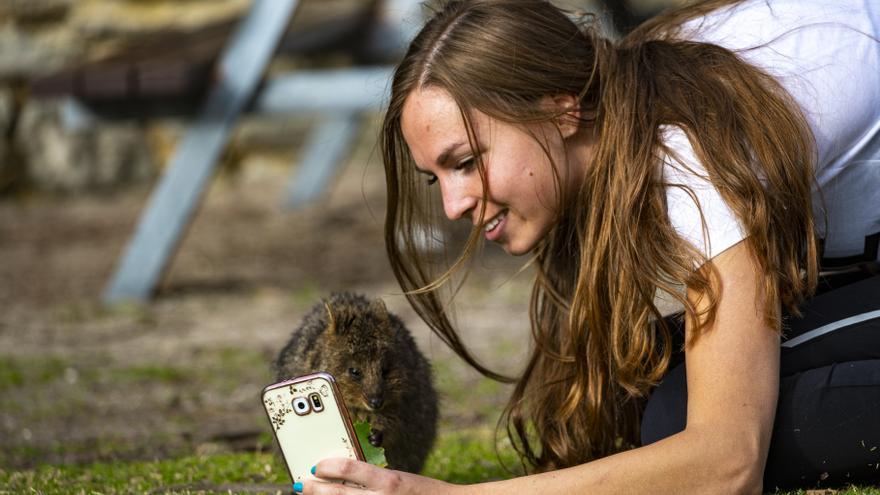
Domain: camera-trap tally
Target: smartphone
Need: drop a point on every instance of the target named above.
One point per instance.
(310, 422)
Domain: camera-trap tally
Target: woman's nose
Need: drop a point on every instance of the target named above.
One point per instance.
(457, 200)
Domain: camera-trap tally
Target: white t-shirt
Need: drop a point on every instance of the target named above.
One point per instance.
(827, 55)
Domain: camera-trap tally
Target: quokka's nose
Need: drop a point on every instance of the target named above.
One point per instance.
(376, 402)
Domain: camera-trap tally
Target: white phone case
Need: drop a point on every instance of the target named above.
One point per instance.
(307, 436)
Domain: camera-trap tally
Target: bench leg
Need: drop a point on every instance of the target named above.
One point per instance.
(175, 199)
(324, 153)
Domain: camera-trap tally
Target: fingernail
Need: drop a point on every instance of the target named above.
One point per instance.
(298, 487)
(313, 469)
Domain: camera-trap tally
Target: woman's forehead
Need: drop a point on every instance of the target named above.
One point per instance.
(428, 108)
(432, 126)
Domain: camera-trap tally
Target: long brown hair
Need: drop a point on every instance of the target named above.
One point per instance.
(600, 341)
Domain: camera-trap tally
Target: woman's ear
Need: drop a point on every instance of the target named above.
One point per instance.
(568, 108)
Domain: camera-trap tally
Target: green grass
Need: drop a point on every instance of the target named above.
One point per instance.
(48, 392)
(211, 368)
(852, 490)
(463, 457)
(18, 372)
(467, 456)
(465, 452)
(194, 474)
(471, 456)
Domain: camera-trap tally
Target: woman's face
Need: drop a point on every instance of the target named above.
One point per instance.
(523, 194)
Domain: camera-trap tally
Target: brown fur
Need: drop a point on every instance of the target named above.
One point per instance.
(383, 377)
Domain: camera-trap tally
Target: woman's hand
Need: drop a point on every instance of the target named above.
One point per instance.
(373, 479)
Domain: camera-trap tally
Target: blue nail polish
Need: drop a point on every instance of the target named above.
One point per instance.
(298, 487)
(313, 469)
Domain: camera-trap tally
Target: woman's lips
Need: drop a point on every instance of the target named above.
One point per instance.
(495, 227)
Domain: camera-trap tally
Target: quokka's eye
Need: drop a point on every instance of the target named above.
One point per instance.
(355, 373)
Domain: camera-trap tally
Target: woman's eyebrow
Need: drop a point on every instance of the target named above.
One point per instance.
(443, 157)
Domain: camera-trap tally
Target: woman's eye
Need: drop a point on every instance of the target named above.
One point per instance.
(461, 166)
(465, 164)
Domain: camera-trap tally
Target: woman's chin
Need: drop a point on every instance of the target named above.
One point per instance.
(516, 249)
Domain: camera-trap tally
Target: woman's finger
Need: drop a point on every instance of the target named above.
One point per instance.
(371, 479)
(318, 487)
(359, 472)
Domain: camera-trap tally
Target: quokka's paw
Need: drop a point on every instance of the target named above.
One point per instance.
(375, 438)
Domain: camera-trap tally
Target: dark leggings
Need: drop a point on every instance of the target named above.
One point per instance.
(827, 427)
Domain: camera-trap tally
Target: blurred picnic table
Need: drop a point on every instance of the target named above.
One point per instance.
(168, 72)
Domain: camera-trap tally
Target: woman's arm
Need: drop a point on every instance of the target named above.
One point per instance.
(732, 378)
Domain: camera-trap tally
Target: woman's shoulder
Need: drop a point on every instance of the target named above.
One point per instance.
(695, 208)
(825, 54)
(754, 22)
(789, 37)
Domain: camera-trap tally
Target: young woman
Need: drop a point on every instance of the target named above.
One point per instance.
(725, 149)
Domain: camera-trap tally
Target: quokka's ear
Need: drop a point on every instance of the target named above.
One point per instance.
(378, 307)
(331, 320)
